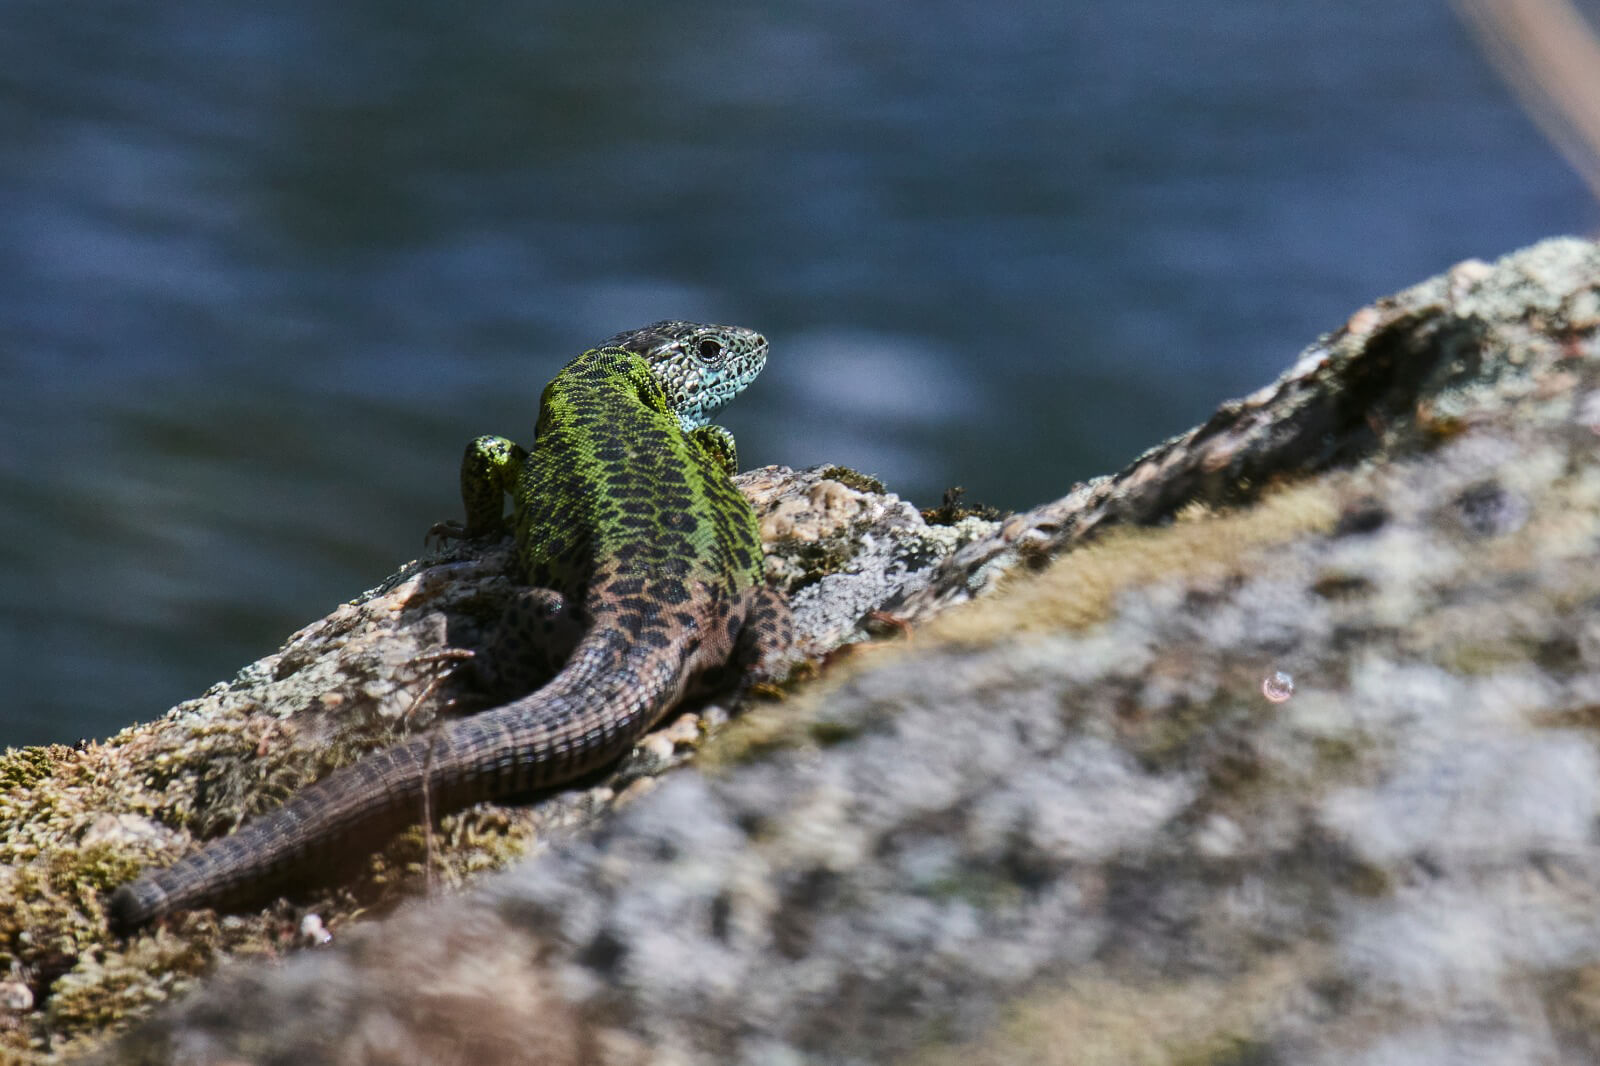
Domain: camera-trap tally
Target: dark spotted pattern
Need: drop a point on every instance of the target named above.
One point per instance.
(625, 519)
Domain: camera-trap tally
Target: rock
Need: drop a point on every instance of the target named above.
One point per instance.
(1278, 746)
(76, 822)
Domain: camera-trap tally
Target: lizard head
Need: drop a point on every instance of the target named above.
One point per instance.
(700, 367)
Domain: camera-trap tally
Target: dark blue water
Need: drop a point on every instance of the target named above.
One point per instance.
(264, 269)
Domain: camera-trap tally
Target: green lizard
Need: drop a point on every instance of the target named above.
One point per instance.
(645, 570)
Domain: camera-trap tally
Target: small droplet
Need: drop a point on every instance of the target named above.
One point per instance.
(1278, 688)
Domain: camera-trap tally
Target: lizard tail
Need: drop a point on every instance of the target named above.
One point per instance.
(589, 714)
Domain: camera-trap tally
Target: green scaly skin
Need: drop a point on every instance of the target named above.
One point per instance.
(645, 568)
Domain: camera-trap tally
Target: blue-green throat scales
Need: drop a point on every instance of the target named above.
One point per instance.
(644, 571)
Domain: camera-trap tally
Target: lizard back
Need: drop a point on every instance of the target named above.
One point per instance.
(613, 480)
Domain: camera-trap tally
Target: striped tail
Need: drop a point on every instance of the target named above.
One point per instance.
(591, 713)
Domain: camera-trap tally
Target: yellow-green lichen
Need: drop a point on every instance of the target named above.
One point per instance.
(1099, 1019)
(854, 479)
(816, 559)
(22, 767)
(984, 889)
(1081, 587)
(756, 733)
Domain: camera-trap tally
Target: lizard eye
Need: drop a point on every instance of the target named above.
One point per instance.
(709, 350)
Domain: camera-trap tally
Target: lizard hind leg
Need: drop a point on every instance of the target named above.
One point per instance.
(764, 651)
(533, 640)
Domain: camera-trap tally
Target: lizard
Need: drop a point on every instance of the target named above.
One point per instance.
(642, 569)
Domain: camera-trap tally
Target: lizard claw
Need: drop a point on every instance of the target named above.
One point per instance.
(445, 531)
(449, 656)
(442, 655)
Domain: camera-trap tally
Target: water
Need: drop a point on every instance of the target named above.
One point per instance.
(264, 271)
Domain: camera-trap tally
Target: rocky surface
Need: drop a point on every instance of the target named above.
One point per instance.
(1279, 746)
(76, 822)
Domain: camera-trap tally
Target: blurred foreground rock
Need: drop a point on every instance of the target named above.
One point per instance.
(1279, 746)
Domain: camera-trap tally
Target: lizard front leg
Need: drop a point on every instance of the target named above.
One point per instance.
(764, 651)
(489, 470)
(718, 443)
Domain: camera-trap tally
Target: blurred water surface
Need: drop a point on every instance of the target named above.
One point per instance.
(265, 270)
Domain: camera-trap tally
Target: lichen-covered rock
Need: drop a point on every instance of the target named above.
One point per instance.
(1280, 746)
(76, 822)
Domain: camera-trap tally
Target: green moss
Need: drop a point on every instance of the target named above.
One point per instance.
(96, 998)
(986, 890)
(754, 734)
(952, 509)
(1484, 659)
(1369, 881)
(828, 732)
(1335, 752)
(816, 558)
(94, 868)
(1224, 1049)
(23, 767)
(854, 479)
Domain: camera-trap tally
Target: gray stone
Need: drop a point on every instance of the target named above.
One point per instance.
(1083, 818)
